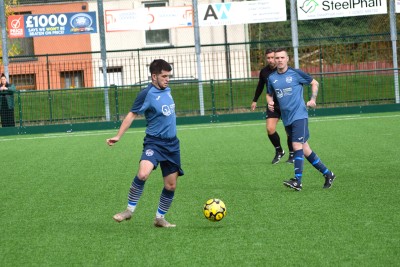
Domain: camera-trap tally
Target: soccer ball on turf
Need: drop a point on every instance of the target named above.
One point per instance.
(214, 210)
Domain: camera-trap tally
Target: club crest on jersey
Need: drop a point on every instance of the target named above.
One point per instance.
(149, 152)
(289, 79)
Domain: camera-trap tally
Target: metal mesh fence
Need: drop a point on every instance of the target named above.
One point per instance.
(350, 57)
(44, 107)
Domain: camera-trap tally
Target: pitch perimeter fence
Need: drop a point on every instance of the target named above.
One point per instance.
(83, 105)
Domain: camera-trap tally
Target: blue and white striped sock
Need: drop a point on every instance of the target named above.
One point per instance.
(298, 156)
(165, 202)
(317, 163)
(135, 192)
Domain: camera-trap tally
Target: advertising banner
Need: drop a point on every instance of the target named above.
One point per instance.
(247, 12)
(40, 25)
(217, 14)
(322, 9)
(154, 18)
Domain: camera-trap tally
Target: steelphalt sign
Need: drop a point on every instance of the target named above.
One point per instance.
(322, 9)
(40, 25)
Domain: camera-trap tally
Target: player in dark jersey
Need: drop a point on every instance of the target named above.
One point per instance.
(287, 84)
(160, 146)
(272, 117)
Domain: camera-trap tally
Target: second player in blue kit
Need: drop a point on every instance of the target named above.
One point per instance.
(287, 84)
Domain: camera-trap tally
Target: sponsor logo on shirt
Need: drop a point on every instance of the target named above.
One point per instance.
(167, 110)
(283, 92)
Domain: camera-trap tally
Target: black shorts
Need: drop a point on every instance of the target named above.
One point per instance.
(274, 114)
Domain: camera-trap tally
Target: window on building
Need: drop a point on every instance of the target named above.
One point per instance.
(114, 76)
(157, 37)
(24, 81)
(71, 79)
(21, 46)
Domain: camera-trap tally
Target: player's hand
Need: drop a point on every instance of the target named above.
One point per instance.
(271, 105)
(311, 103)
(253, 106)
(112, 141)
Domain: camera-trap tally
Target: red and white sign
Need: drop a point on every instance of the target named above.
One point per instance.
(16, 26)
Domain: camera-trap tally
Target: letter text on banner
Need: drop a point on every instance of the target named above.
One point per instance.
(247, 12)
(317, 9)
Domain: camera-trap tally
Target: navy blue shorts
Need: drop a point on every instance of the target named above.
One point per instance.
(165, 152)
(298, 131)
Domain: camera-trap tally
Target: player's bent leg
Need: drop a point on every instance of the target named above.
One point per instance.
(291, 152)
(275, 139)
(135, 191)
(166, 197)
(271, 125)
(170, 181)
(317, 163)
(145, 168)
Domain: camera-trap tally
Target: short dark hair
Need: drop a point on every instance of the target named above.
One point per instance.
(269, 51)
(281, 49)
(158, 65)
(2, 75)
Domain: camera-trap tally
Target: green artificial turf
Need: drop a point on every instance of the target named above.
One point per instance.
(60, 191)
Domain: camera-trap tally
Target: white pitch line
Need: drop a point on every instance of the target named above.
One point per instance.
(188, 127)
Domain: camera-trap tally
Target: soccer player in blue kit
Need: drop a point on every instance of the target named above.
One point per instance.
(160, 145)
(287, 84)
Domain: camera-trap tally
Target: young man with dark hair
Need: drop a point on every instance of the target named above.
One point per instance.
(272, 117)
(287, 84)
(160, 146)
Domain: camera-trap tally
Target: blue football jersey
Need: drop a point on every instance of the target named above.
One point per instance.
(158, 108)
(288, 88)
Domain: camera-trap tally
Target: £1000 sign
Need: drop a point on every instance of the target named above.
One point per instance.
(38, 25)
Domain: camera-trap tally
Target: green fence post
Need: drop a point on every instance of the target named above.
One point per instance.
(116, 101)
(231, 93)
(19, 110)
(140, 75)
(48, 89)
(321, 76)
(213, 108)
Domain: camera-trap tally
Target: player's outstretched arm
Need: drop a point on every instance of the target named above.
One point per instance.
(126, 123)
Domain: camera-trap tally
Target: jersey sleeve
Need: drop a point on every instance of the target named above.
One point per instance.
(139, 106)
(260, 87)
(304, 78)
(270, 89)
